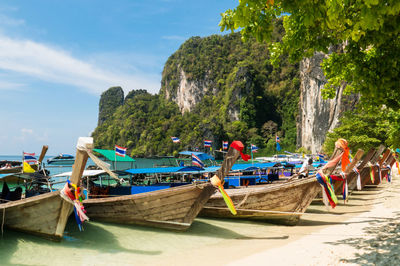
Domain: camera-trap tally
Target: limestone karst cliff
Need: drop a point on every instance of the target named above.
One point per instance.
(316, 115)
(110, 100)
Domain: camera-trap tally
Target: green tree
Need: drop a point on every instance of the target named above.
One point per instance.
(361, 37)
(361, 129)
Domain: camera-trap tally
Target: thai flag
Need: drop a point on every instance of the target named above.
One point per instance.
(29, 157)
(120, 151)
(175, 139)
(207, 143)
(254, 148)
(196, 161)
(225, 145)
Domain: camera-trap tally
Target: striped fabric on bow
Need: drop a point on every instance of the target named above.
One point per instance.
(328, 189)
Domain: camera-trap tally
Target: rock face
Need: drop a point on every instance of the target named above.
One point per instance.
(110, 100)
(316, 115)
(189, 93)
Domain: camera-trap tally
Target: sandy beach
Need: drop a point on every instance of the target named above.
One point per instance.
(361, 232)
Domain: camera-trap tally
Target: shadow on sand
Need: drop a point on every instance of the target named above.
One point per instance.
(380, 248)
(203, 228)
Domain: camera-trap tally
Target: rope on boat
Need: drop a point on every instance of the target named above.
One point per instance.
(244, 200)
(102, 165)
(294, 213)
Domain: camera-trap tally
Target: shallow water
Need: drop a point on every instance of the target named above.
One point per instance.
(109, 244)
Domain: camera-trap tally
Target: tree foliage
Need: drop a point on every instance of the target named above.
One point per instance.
(361, 37)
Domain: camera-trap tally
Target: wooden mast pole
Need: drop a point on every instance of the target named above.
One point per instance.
(84, 144)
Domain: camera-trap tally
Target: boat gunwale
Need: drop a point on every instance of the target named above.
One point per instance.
(161, 192)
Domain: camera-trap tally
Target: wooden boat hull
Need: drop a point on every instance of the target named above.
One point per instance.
(273, 199)
(174, 208)
(390, 161)
(44, 215)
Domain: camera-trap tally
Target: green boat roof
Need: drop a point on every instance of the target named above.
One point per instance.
(110, 155)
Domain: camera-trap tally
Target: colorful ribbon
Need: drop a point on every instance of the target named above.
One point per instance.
(388, 174)
(238, 145)
(215, 181)
(328, 189)
(379, 172)
(397, 165)
(342, 143)
(355, 169)
(372, 174)
(79, 210)
(343, 178)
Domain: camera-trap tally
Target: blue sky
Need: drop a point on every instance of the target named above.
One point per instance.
(57, 57)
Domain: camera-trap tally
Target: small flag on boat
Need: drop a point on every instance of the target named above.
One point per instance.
(196, 161)
(254, 148)
(120, 151)
(27, 168)
(29, 157)
(207, 143)
(225, 145)
(277, 140)
(175, 139)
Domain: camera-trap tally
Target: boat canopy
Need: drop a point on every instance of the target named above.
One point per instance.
(203, 156)
(165, 170)
(85, 173)
(110, 155)
(195, 169)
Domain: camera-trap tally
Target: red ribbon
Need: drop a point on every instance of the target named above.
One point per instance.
(238, 145)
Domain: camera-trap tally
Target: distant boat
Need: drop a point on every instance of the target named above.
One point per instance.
(8, 167)
(62, 159)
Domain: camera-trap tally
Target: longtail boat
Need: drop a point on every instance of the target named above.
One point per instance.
(386, 170)
(366, 171)
(279, 203)
(271, 202)
(44, 215)
(172, 208)
(340, 184)
(354, 178)
(377, 169)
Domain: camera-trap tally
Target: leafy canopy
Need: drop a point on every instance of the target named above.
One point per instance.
(361, 37)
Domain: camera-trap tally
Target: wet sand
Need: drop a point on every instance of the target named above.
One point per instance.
(363, 231)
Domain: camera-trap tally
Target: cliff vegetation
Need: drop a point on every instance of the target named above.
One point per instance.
(239, 95)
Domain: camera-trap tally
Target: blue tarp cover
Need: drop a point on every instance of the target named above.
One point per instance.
(195, 169)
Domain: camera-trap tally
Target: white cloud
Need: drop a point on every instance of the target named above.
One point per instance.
(26, 131)
(5, 85)
(8, 21)
(55, 65)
